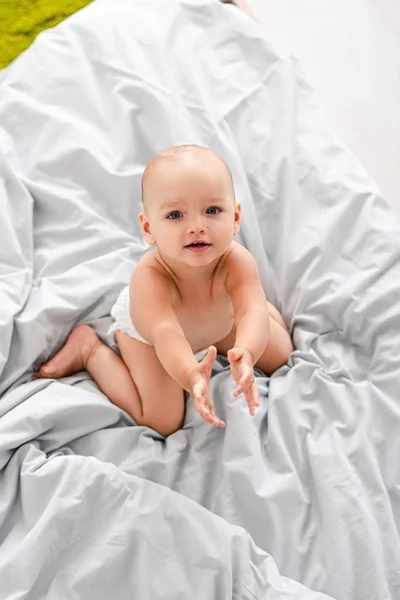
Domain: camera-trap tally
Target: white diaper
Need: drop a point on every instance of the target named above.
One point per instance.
(122, 318)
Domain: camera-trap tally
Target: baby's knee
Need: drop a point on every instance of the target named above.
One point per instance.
(167, 428)
(165, 425)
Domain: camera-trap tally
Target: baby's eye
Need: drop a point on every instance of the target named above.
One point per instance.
(215, 210)
(174, 215)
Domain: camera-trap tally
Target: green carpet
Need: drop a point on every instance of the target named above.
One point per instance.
(22, 20)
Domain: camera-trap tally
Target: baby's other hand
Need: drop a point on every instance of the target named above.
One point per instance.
(201, 391)
(241, 364)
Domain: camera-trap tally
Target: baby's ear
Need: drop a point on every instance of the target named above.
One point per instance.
(236, 221)
(145, 225)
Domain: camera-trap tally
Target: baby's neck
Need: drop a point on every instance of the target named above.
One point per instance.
(186, 275)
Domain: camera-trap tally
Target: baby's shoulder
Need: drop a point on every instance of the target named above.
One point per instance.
(147, 261)
(239, 265)
(237, 256)
(148, 269)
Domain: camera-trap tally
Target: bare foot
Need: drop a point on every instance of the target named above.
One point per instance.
(73, 356)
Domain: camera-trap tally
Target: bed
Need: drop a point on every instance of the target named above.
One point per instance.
(303, 500)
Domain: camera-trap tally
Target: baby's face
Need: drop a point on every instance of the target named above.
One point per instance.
(187, 203)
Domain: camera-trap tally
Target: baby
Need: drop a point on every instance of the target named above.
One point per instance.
(197, 289)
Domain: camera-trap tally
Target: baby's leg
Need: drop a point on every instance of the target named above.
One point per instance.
(163, 399)
(153, 398)
(279, 346)
(276, 315)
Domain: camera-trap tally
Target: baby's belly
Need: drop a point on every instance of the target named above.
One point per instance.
(201, 335)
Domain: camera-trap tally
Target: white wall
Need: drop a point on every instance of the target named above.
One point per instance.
(350, 50)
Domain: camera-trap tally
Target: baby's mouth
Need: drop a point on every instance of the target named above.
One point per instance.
(198, 247)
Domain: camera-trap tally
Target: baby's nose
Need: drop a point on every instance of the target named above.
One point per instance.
(197, 227)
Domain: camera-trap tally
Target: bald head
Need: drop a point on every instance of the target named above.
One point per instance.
(188, 155)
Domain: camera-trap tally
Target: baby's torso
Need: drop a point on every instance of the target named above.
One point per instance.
(205, 312)
(205, 319)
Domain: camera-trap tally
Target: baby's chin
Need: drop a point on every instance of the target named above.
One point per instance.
(191, 257)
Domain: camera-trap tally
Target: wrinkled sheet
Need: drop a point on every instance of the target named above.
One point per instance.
(303, 500)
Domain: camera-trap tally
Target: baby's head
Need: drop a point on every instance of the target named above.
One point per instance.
(188, 196)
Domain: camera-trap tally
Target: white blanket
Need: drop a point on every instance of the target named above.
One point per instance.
(303, 500)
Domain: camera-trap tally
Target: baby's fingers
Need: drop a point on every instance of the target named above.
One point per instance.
(211, 418)
(244, 383)
(217, 422)
(208, 413)
(252, 398)
(209, 358)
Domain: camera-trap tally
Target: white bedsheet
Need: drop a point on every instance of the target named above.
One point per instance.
(303, 500)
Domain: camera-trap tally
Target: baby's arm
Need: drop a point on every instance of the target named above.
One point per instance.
(249, 303)
(151, 295)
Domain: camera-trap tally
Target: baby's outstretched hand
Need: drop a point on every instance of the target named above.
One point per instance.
(201, 391)
(241, 364)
